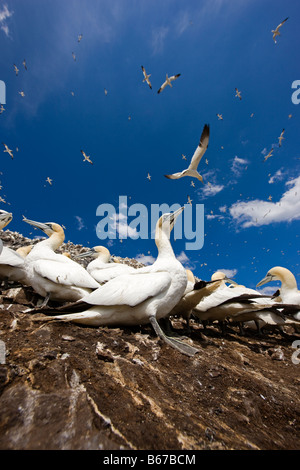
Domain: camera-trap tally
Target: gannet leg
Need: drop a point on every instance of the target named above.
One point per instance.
(175, 343)
(45, 301)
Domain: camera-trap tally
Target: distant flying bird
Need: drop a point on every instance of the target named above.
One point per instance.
(49, 180)
(24, 63)
(7, 150)
(269, 154)
(290, 115)
(2, 109)
(73, 55)
(199, 152)
(16, 69)
(86, 157)
(276, 31)
(280, 138)
(252, 114)
(220, 116)
(192, 184)
(270, 198)
(146, 79)
(79, 37)
(206, 161)
(149, 177)
(189, 200)
(105, 91)
(183, 157)
(22, 93)
(168, 82)
(238, 93)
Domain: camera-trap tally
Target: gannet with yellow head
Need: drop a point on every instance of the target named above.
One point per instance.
(101, 269)
(289, 292)
(140, 297)
(52, 275)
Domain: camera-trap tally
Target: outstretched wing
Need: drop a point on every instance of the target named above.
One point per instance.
(201, 149)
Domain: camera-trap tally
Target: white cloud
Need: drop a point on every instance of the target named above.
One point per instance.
(145, 259)
(212, 189)
(230, 273)
(279, 175)
(80, 222)
(119, 223)
(260, 212)
(183, 22)
(185, 261)
(223, 209)
(268, 290)
(158, 38)
(238, 165)
(4, 14)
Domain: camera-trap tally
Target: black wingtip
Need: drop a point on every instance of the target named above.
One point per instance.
(200, 285)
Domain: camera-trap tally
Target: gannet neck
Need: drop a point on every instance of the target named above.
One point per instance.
(162, 241)
(288, 280)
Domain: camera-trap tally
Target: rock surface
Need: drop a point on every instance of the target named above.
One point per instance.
(65, 386)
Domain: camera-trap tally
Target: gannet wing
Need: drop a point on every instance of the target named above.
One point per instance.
(106, 273)
(11, 258)
(279, 26)
(201, 149)
(174, 176)
(174, 77)
(130, 289)
(163, 86)
(70, 274)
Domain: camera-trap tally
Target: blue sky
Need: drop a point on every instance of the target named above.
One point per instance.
(252, 206)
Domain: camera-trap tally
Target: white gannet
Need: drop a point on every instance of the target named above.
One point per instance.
(149, 177)
(52, 275)
(49, 180)
(5, 218)
(199, 152)
(8, 150)
(22, 93)
(276, 31)
(289, 292)
(281, 138)
(168, 82)
(269, 154)
(100, 268)
(16, 69)
(2, 109)
(220, 117)
(25, 65)
(12, 264)
(146, 79)
(238, 94)
(73, 55)
(80, 36)
(137, 298)
(87, 158)
(229, 302)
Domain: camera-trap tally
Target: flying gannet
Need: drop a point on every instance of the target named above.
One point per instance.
(238, 94)
(22, 93)
(168, 82)
(101, 269)
(146, 79)
(87, 158)
(281, 138)
(25, 65)
(149, 177)
(49, 180)
(276, 31)
(220, 117)
(73, 55)
(52, 275)
(79, 37)
(2, 109)
(7, 150)
(199, 152)
(16, 69)
(269, 154)
(137, 298)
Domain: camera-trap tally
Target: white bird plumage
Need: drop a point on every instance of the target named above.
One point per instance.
(146, 79)
(198, 154)
(137, 298)
(168, 82)
(52, 275)
(276, 31)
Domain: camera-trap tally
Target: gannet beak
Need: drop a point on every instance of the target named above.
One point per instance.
(176, 214)
(226, 279)
(36, 224)
(266, 279)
